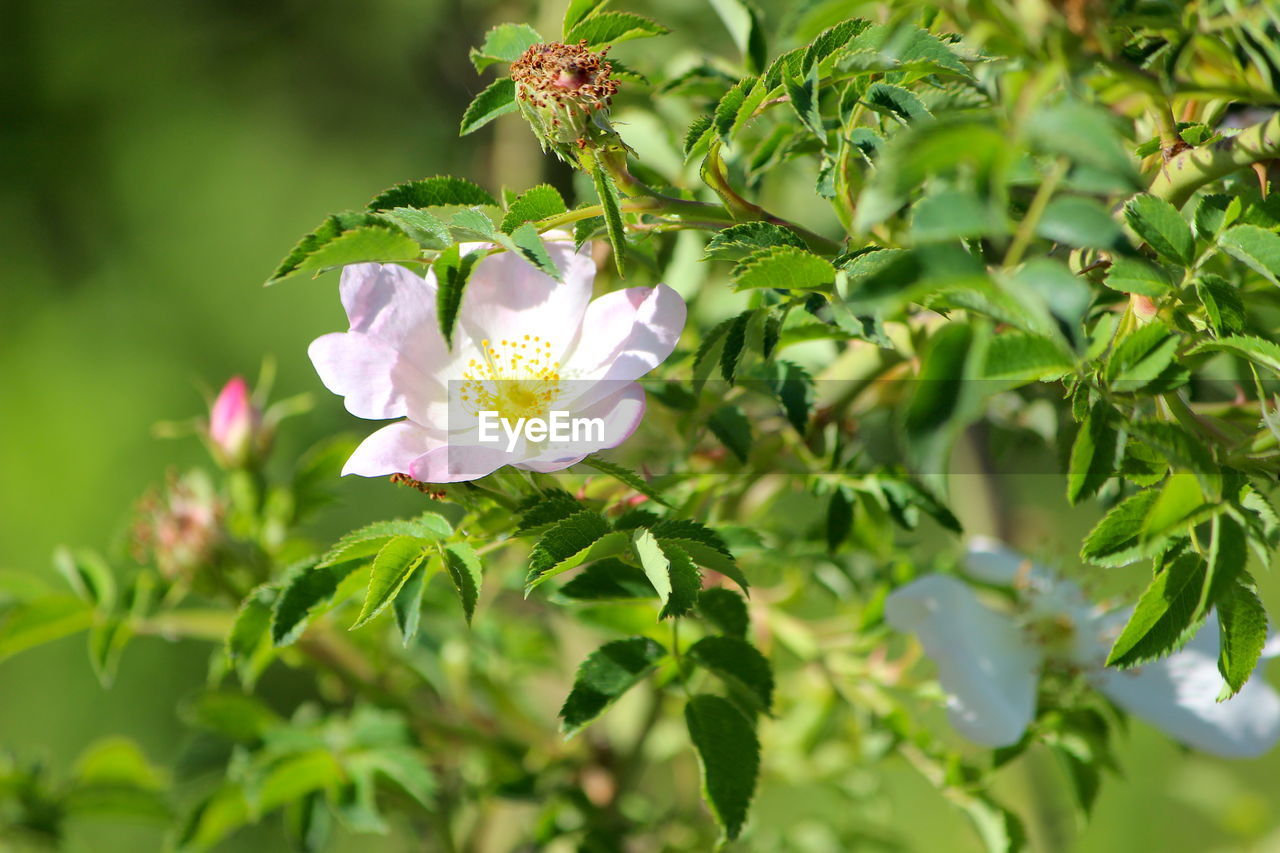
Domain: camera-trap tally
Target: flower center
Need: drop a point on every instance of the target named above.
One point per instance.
(1055, 633)
(517, 378)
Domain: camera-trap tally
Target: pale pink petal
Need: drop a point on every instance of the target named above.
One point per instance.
(621, 413)
(507, 297)
(985, 664)
(387, 301)
(1178, 695)
(376, 380)
(390, 450)
(627, 333)
(455, 463)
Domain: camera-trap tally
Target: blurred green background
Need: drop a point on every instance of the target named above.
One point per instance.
(156, 160)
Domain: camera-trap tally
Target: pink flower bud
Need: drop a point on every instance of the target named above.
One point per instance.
(234, 423)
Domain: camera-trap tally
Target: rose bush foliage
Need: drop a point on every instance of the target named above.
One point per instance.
(932, 252)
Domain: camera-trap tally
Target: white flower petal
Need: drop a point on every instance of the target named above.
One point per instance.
(390, 450)
(1178, 695)
(507, 297)
(985, 664)
(621, 413)
(627, 333)
(387, 301)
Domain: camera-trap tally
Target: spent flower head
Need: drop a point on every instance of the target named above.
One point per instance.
(564, 91)
(178, 528)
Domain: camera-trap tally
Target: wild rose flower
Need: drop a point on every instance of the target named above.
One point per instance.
(235, 424)
(989, 662)
(524, 347)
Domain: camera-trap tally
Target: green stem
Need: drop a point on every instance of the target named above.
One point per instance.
(1187, 172)
(645, 199)
(1027, 228)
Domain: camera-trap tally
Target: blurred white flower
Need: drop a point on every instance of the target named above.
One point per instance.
(989, 662)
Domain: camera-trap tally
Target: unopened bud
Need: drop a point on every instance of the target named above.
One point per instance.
(235, 424)
(564, 91)
(1143, 307)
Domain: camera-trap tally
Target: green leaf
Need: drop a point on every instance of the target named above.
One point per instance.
(734, 107)
(737, 241)
(729, 755)
(1180, 500)
(627, 477)
(700, 542)
(426, 228)
(567, 545)
(504, 43)
(604, 676)
(1123, 535)
(730, 425)
(740, 665)
(908, 50)
(726, 610)
(1087, 135)
(743, 20)
(1093, 454)
(237, 716)
(607, 192)
(1080, 222)
(533, 204)
(1141, 357)
(393, 565)
(606, 28)
(497, 99)
(408, 604)
(88, 575)
(802, 94)
(840, 507)
(671, 572)
(1165, 616)
(431, 192)
(952, 215)
(896, 101)
(1026, 357)
(1255, 247)
(1223, 306)
(1225, 562)
(368, 540)
(792, 386)
(1130, 275)
(698, 136)
(302, 596)
(1264, 353)
(1158, 223)
(526, 242)
(545, 509)
(609, 579)
(578, 11)
(252, 621)
(1214, 212)
(348, 238)
(784, 267)
(42, 620)
(1242, 632)
(463, 564)
(452, 271)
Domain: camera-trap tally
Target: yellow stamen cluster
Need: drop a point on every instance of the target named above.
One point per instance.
(517, 378)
